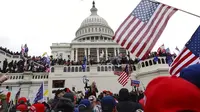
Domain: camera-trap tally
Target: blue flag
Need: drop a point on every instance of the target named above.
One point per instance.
(39, 95)
(84, 63)
(155, 59)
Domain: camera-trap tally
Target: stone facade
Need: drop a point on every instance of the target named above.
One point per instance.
(92, 38)
(73, 77)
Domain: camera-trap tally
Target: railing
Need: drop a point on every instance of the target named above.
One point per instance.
(107, 68)
(27, 76)
(9, 55)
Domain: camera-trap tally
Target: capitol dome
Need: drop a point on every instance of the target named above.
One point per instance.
(94, 25)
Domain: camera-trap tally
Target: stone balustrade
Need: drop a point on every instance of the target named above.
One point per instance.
(26, 77)
(107, 68)
(9, 55)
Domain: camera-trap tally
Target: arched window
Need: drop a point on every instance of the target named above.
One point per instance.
(52, 69)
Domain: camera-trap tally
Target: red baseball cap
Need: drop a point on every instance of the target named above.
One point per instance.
(171, 94)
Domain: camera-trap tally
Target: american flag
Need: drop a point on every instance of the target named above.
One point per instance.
(124, 76)
(188, 56)
(143, 27)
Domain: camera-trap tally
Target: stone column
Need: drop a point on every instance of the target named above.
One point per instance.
(106, 53)
(126, 52)
(72, 54)
(115, 52)
(118, 51)
(76, 54)
(88, 53)
(85, 51)
(97, 54)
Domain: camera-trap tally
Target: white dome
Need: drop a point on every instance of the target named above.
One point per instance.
(94, 25)
(94, 20)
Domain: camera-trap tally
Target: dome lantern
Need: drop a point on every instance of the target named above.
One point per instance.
(94, 25)
(93, 9)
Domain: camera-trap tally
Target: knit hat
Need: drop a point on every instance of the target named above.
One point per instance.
(171, 94)
(85, 102)
(108, 103)
(69, 96)
(124, 95)
(192, 74)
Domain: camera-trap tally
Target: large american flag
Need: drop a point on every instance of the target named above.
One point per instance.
(143, 27)
(188, 56)
(124, 76)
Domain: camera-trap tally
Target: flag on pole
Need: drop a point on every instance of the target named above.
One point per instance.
(40, 93)
(46, 93)
(177, 49)
(17, 95)
(84, 63)
(135, 83)
(124, 76)
(161, 49)
(188, 56)
(143, 27)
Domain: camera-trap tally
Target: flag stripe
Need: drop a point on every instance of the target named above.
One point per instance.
(179, 56)
(126, 28)
(153, 31)
(123, 78)
(139, 37)
(185, 58)
(134, 35)
(144, 32)
(147, 49)
(121, 26)
(188, 56)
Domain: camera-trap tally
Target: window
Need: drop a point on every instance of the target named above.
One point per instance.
(58, 83)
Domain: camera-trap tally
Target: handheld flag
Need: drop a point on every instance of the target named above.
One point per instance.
(46, 93)
(84, 63)
(40, 95)
(143, 27)
(188, 56)
(177, 49)
(17, 95)
(135, 83)
(124, 76)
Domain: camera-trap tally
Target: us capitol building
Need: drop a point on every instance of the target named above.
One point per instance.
(94, 41)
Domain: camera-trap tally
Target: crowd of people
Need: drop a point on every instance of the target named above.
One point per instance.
(40, 63)
(162, 94)
(67, 100)
(8, 51)
(22, 65)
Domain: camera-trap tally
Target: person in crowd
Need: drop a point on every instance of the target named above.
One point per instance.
(171, 94)
(5, 65)
(108, 104)
(84, 106)
(58, 94)
(95, 104)
(39, 107)
(22, 106)
(125, 104)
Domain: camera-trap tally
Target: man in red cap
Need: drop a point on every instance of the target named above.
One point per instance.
(39, 107)
(171, 94)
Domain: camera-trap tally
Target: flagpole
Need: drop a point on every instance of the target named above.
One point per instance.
(180, 10)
